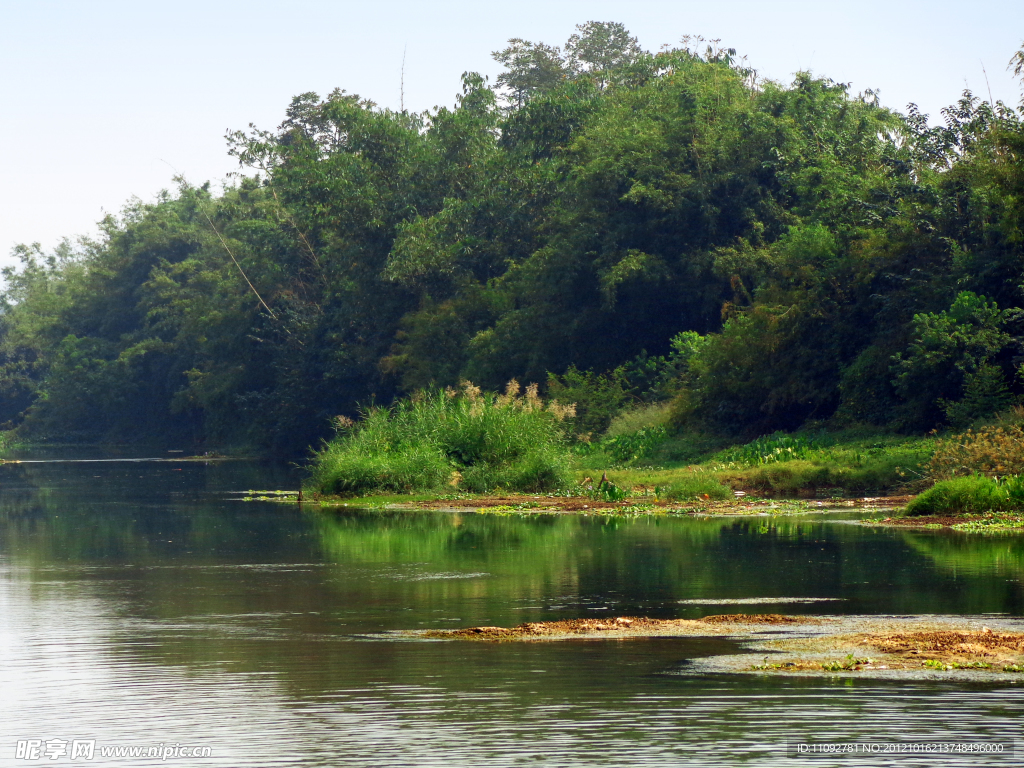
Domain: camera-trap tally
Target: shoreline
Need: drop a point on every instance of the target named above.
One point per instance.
(636, 505)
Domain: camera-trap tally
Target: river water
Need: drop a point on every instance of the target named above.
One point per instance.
(146, 605)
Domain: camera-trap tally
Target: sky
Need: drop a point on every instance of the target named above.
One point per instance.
(105, 101)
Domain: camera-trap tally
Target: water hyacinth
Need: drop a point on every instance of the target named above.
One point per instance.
(464, 438)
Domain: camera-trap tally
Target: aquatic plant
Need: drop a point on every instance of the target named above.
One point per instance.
(465, 439)
(847, 664)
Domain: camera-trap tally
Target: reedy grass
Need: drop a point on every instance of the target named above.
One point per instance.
(450, 440)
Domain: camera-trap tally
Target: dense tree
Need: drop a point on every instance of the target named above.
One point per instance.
(616, 224)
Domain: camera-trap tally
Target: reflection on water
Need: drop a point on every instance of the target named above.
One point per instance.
(142, 604)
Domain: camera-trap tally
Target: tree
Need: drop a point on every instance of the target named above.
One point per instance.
(601, 48)
(531, 68)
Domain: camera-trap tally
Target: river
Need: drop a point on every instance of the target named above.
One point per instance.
(147, 605)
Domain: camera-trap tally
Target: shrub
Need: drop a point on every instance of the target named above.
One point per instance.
(643, 417)
(964, 495)
(598, 396)
(478, 441)
(637, 445)
(988, 451)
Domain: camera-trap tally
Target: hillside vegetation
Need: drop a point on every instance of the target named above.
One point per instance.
(691, 254)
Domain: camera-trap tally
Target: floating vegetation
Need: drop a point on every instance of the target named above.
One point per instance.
(850, 663)
(289, 496)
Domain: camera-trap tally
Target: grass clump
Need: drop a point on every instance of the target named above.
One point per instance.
(975, 494)
(450, 439)
(699, 486)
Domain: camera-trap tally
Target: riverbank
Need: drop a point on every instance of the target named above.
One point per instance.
(636, 504)
(967, 482)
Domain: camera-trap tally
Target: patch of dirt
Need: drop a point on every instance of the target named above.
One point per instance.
(951, 644)
(895, 645)
(756, 618)
(634, 625)
(623, 626)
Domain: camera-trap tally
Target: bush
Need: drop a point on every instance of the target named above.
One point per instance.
(988, 451)
(598, 397)
(462, 439)
(637, 445)
(642, 417)
(966, 495)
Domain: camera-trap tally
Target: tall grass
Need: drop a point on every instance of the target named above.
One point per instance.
(457, 439)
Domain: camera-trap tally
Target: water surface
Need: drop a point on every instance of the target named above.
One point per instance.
(146, 603)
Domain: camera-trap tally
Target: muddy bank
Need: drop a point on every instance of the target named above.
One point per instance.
(633, 505)
(621, 626)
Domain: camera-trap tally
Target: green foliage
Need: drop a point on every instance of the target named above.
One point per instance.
(785, 465)
(773, 448)
(632, 446)
(443, 438)
(649, 417)
(947, 363)
(598, 397)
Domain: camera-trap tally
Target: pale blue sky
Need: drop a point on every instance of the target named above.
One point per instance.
(99, 97)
